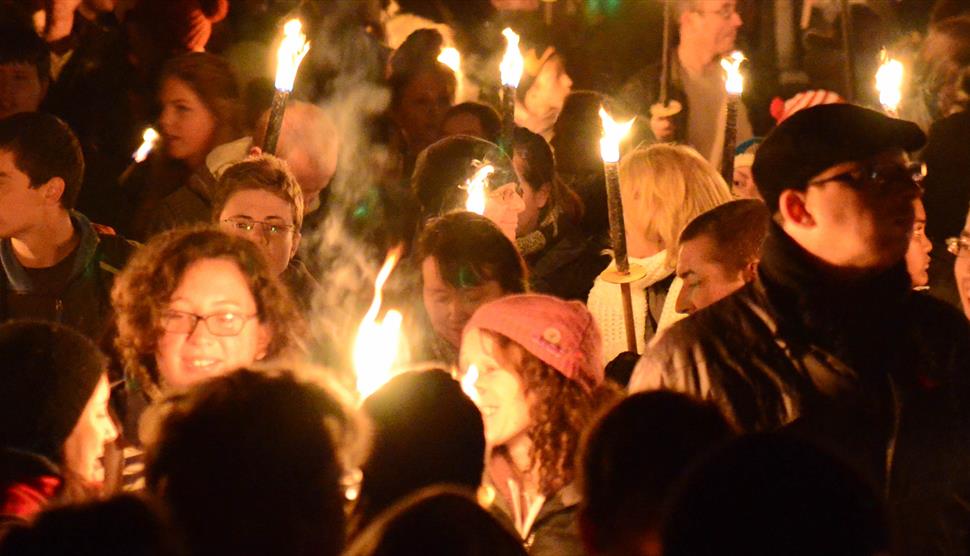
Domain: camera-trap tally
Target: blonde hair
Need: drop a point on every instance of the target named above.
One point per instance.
(663, 188)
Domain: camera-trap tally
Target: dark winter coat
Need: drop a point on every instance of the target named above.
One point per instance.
(872, 371)
(85, 302)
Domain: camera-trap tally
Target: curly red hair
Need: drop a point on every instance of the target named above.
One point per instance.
(560, 410)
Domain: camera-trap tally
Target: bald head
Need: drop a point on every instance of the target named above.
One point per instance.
(308, 143)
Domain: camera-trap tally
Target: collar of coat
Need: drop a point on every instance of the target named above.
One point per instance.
(16, 275)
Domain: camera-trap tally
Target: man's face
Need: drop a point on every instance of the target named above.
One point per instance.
(21, 207)
(550, 89)
(266, 220)
(860, 214)
(712, 25)
(21, 89)
(422, 107)
(706, 279)
(961, 270)
(448, 307)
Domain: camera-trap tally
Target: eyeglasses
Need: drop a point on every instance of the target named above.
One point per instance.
(248, 225)
(910, 174)
(959, 246)
(725, 12)
(218, 324)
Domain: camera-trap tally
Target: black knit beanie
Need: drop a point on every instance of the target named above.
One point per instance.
(48, 372)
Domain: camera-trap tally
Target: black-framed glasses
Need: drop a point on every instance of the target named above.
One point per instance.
(248, 225)
(225, 323)
(959, 246)
(910, 174)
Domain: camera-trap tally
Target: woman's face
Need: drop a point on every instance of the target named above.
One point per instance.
(190, 349)
(501, 396)
(918, 254)
(533, 200)
(84, 448)
(502, 206)
(188, 128)
(961, 269)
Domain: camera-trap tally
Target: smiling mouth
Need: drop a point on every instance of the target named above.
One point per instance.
(202, 364)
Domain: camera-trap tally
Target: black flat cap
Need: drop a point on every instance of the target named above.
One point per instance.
(820, 137)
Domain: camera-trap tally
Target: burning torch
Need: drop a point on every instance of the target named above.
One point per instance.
(621, 273)
(291, 52)
(734, 85)
(511, 68)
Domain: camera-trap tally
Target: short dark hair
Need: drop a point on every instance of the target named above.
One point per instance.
(633, 456)
(486, 115)
(471, 250)
(265, 173)
(21, 45)
(44, 147)
(251, 462)
(425, 432)
(435, 521)
(737, 228)
(442, 169)
(742, 499)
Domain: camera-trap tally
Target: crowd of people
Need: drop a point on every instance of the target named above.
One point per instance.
(178, 329)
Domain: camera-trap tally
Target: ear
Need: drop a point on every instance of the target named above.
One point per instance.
(750, 271)
(297, 236)
(53, 190)
(793, 208)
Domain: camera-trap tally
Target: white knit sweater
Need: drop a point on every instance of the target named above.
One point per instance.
(606, 304)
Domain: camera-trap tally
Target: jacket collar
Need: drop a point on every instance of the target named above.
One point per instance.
(16, 275)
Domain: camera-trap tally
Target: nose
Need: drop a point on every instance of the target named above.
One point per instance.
(683, 304)
(736, 20)
(199, 333)
(518, 203)
(110, 431)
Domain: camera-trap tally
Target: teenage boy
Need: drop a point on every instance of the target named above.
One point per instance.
(56, 265)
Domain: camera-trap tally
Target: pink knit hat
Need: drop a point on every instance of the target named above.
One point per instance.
(560, 333)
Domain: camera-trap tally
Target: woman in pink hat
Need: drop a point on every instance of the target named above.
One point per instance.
(540, 382)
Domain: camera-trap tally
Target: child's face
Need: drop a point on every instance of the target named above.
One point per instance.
(266, 220)
(21, 89)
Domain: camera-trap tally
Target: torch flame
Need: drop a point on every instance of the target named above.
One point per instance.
(149, 137)
(476, 189)
(512, 62)
(376, 345)
(291, 52)
(613, 133)
(734, 84)
(468, 383)
(889, 82)
(452, 58)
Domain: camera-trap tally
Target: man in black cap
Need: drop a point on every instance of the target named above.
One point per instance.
(829, 342)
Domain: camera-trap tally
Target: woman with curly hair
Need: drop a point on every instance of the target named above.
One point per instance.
(540, 383)
(193, 304)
